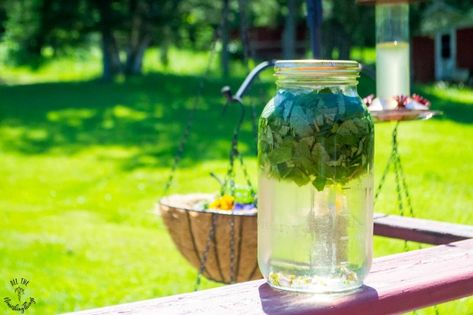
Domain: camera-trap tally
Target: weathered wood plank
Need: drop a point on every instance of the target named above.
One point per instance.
(397, 283)
(420, 230)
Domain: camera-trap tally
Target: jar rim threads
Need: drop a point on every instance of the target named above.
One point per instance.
(314, 72)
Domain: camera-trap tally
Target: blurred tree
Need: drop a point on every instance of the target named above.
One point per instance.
(34, 30)
(198, 22)
(464, 5)
(225, 37)
(37, 27)
(138, 23)
(3, 16)
(108, 22)
(244, 28)
(346, 24)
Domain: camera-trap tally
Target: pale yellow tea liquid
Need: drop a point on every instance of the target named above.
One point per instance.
(315, 241)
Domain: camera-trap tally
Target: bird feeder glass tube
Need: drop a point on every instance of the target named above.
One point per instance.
(392, 52)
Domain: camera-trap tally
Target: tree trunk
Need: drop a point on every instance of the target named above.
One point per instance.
(37, 43)
(314, 21)
(139, 38)
(344, 46)
(164, 54)
(245, 40)
(164, 47)
(225, 39)
(289, 33)
(111, 64)
(134, 60)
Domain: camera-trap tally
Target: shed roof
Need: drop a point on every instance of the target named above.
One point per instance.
(440, 16)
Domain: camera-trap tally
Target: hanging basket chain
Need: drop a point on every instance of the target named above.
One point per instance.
(232, 249)
(400, 175)
(404, 184)
(396, 171)
(254, 117)
(402, 190)
(229, 184)
(383, 177)
(246, 175)
(391, 160)
(230, 176)
(401, 183)
(179, 152)
(190, 119)
(247, 55)
(254, 125)
(205, 254)
(230, 181)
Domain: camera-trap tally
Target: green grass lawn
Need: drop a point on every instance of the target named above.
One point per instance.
(83, 164)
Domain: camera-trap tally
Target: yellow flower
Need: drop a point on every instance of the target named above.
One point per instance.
(226, 202)
(223, 203)
(215, 204)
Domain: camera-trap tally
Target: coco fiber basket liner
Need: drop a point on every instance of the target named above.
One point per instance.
(190, 229)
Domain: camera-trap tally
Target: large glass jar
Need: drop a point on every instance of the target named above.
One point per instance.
(315, 160)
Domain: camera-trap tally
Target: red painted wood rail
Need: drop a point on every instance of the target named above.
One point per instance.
(420, 230)
(397, 283)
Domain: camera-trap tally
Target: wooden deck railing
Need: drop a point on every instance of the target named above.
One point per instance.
(395, 284)
(420, 230)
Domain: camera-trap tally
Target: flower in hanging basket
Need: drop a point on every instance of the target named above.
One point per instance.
(244, 206)
(225, 202)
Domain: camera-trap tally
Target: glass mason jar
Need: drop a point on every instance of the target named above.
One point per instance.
(315, 159)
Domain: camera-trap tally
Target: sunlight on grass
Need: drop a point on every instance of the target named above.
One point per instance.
(452, 93)
(80, 67)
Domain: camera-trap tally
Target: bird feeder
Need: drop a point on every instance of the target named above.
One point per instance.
(392, 50)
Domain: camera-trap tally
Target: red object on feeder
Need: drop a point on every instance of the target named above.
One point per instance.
(421, 100)
(401, 101)
(368, 100)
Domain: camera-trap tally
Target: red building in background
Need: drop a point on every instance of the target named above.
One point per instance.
(444, 49)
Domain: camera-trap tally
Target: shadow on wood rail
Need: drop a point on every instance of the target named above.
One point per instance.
(397, 283)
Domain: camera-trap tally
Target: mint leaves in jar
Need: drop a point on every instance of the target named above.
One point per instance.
(316, 137)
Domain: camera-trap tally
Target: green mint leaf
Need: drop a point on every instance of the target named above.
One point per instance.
(281, 153)
(320, 137)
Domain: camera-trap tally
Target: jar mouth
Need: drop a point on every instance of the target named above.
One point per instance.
(317, 72)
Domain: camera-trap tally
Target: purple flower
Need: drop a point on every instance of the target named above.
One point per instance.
(243, 206)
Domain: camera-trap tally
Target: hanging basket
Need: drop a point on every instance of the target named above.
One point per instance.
(189, 229)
